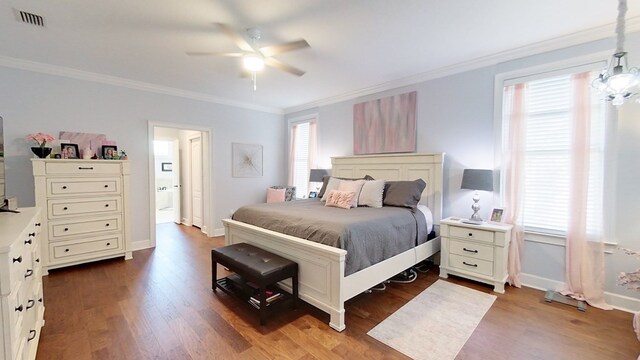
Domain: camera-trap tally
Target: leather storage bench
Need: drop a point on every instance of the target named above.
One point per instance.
(257, 267)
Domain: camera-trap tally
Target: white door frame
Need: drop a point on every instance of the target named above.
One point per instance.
(207, 176)
(190, 195)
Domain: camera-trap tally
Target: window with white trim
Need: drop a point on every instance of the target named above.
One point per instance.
(548, 110)
(301, 155)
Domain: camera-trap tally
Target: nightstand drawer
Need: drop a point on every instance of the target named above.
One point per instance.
(471, 249)
(469, 233)
(470, 264)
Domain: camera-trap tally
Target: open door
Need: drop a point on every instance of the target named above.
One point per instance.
(196, 181)
(177, 184)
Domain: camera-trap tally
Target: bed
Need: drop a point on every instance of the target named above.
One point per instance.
(323, 281)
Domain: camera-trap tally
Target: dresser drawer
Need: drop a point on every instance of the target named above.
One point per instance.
(59, 230)
(469, 233)
(64, 207)
(470, 264)
(97, 187)
(82, 167)
(471, 249)
(97, 247)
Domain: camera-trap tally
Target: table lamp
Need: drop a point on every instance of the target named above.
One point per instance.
(316, 175)
(476, 179)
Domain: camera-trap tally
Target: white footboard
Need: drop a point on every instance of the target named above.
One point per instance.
(321, 267)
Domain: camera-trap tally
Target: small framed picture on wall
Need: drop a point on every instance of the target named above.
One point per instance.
(497, 215)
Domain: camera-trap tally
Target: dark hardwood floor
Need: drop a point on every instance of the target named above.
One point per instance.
(160, 306)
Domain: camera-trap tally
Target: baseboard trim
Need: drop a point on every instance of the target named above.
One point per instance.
(140, 245)
(617, 301)
(218, 232)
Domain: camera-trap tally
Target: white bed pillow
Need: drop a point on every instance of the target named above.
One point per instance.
(354, 186)
(371, 194)
(427, 215)
(331, 185)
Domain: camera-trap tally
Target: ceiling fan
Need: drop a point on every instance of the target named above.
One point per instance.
(253, 58)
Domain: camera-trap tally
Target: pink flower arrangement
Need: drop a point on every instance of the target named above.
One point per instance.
(41, 138)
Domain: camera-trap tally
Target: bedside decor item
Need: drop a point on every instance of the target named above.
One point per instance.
(109, 152)
(316, 176)
(69, 151)
(476, 179)
(41, 139)
(496, 215)
(87, 153)
(386, 125)
(618, 82)
(247, 160)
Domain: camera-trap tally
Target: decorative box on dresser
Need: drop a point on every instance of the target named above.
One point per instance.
(21, 298)
(86, 210)
(476, 252)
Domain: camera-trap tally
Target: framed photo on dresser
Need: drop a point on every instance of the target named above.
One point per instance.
(497, 215)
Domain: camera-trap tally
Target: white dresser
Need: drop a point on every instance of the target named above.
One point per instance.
(86, 210)
(21, 298)
(476, 252)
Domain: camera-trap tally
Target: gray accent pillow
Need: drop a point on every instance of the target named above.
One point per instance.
(325, 181)
(404, 193)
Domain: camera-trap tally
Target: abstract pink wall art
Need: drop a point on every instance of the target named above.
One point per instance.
(386, 125)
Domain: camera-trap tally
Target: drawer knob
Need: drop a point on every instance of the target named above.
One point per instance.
(40, 300)
(108, 244)
(470, 234)
(66, 229)
(19, 308)
(18, 259)
(28, 242)
(66, 250)
(64, 187)
(106, 205)
(28, 273)
(65, 208)
(30, 304)
(38, 260)
(106, 186)
(471, 251)
(32, 335)
(38, 224)
(107, 224)
(472, 265)
(85, 168)
(32, 234)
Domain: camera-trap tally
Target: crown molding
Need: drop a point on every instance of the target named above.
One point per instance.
(593, 34)
(49, 69)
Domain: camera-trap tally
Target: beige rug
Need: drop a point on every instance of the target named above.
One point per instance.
(435, 324)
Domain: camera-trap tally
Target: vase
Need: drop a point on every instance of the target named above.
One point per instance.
(41, 152)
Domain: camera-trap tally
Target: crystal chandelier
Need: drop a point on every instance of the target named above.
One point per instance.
(618, 82)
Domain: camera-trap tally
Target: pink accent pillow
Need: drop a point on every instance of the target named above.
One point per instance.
(340, 199)
(354, 186)
(275, 195)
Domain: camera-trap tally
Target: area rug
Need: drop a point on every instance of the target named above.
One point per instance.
(436, 324)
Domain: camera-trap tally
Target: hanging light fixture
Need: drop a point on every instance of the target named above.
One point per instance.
(618, 82)
(253, 63)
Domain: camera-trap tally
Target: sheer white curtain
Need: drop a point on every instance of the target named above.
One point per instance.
(513, 169)
(584, 246)
(292, 153)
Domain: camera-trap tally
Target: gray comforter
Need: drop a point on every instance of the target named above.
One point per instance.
(369, 235)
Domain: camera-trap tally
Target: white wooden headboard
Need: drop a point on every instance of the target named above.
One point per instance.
(393, 167)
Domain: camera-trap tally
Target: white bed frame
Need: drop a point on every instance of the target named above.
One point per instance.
(321, 268)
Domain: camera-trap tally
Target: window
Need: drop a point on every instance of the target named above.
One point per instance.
(548, 135)
(302, 151)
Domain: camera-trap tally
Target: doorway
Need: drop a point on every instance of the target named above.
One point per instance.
(179, 177)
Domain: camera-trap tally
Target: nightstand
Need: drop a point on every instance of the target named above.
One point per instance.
(476, 252)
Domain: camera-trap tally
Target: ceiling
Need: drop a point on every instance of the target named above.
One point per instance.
(355, 45)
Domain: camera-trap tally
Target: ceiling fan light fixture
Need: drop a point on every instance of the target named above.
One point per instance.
(253, 63)
(618, 82)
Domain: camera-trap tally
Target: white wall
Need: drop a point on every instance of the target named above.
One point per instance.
(32, 102)
(455, 115)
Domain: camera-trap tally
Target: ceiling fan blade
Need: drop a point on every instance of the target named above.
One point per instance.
(198, 53)
(268, 51)
(237, 38)
(284, 67)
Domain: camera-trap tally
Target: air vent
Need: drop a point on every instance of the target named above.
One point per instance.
(29, 18)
